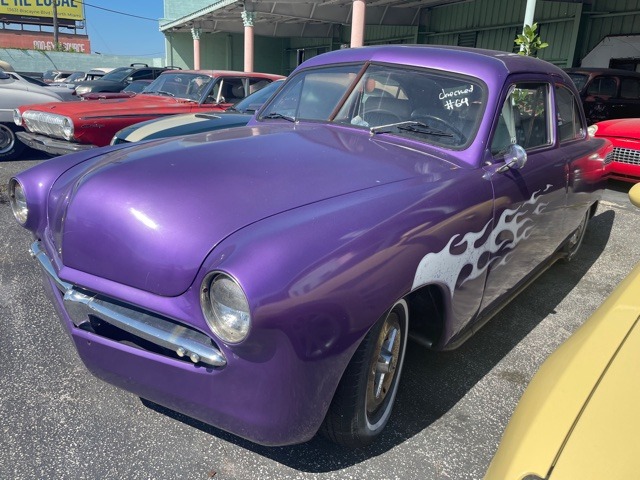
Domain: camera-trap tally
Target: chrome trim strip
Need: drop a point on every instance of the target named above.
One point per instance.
(182, 340)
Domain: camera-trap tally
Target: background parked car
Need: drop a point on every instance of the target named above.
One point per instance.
(72, 80)
(236, 116)
(15, 92)
(53, 76)
(66, 128)
(579, 417)
(130, 90)
(607, 93)
(57, 87)
(96, 73)
(624, 133)
(117, 79)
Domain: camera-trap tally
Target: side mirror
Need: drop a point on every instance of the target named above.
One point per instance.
(634, 195)
(4, 75)
(514, 158)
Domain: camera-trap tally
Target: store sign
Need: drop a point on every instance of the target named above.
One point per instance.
(44, 41)
(66, 9)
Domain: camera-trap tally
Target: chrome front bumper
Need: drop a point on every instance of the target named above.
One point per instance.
(51, 145)
(80, 304)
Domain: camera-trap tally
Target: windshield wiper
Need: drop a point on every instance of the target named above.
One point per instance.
(410, 126)
(279, 116)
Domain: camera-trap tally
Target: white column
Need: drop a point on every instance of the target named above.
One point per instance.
(357, 23)
(529, 12)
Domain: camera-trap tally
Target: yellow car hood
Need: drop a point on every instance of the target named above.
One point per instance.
(605, 441)
(579, 416)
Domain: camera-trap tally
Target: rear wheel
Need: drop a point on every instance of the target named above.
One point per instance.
(362, 404)
(10, 147)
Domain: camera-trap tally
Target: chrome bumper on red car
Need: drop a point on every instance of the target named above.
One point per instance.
(51, 145)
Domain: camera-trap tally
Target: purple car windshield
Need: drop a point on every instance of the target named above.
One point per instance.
(426, 105)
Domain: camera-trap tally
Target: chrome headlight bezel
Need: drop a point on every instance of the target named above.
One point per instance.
(225, 307)
(592, 129)
(17, 117)
(18, 201)
(67, 128)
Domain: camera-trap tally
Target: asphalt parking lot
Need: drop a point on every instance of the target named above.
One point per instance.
(57, 421)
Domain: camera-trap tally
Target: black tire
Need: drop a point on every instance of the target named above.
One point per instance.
(10, 147)
(574, 241)
(363, 401)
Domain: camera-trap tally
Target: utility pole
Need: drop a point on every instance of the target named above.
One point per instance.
(55, 24)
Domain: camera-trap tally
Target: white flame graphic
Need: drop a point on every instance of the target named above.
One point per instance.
(445, 267)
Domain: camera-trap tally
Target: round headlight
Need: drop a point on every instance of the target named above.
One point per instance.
(225, 308)
(67, 128)
(18, 201)
(17, 118)
(592, 130)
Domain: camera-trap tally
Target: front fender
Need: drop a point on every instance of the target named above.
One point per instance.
(318, 277)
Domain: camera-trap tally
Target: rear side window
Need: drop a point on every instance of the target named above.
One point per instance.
(630, 88)
(603, 87)
(568, 119)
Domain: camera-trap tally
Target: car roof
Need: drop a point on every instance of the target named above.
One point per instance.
(225, 73)
(101, 70)
(602, 71)
(490, 65)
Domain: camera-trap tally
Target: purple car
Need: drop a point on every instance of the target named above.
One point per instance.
(265, 279)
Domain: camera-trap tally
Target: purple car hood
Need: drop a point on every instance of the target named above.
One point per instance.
(147, 216)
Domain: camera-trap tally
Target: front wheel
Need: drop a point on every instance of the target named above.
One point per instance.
(10, 147)
(575, 240)
(363, 401)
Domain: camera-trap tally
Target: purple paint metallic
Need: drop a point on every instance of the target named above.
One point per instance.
(324, 227)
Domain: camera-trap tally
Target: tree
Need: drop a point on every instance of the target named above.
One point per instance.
(529, 41)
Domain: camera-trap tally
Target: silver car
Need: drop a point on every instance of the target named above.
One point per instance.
(13, 93)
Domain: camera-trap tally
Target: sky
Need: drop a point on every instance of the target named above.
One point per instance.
(119, 34)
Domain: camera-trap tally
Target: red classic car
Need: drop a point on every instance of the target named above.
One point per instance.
(624, 133)
(58, 129)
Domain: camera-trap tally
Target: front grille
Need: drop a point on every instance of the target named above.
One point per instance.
(45, 123)
(626, 155)
(609, 158)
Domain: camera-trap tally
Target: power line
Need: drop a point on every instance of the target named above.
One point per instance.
(120, 13)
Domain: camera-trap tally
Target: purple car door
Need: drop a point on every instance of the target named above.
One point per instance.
(529, 181)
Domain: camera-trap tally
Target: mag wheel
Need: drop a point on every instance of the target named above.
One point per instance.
(362, 404)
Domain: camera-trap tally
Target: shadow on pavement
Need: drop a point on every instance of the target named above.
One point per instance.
(433, 382)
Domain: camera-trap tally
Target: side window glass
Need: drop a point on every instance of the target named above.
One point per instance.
(142, 74)
(568, 119)
(630, 88)
(603, 87)
(524, 118)
(256, 84)
(233, 89)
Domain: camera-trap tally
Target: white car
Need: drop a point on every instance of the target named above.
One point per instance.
(58, 87)
(13, 93)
